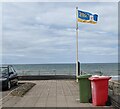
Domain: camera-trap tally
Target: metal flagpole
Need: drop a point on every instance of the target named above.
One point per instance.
(76, 43)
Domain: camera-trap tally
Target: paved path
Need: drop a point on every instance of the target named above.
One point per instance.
(49, 93)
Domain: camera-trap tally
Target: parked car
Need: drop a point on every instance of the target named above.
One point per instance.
(8, 77)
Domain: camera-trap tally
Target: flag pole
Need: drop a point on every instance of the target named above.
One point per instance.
(76, 43)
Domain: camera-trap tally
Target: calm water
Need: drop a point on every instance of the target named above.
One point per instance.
(65, 69)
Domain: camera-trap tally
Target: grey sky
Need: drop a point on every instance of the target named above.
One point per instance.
(45, 33)
(59, 1)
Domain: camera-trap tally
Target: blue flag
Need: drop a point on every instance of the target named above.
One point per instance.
(87, 17)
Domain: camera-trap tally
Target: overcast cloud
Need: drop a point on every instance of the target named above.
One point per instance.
(59, 1)
(39, 32)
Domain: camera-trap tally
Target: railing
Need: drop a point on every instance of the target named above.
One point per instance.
(55, 72)
(38, 72)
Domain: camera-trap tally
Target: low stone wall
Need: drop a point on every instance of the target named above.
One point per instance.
(114, 93)
(114, 86)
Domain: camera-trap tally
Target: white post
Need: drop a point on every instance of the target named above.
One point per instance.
(76, 43)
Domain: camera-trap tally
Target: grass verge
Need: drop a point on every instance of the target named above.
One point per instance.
(23, 89)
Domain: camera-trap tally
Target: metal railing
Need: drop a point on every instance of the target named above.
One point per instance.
(56, 72)
(42, 72)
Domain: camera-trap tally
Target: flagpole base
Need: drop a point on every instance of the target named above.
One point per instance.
(77, 80)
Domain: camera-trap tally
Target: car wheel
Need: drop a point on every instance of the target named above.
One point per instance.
(9, 85)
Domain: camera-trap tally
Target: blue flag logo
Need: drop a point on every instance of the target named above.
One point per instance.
(87, 17)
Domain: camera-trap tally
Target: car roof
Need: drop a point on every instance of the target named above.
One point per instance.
(5, 66)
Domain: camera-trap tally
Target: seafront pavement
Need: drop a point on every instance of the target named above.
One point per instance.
(49, 93)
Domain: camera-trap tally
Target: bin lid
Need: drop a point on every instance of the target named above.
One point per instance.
(99, 78)
(84, 76)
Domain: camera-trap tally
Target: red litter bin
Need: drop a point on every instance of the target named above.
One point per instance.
(99, 85)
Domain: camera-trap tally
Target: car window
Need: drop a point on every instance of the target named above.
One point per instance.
(3, 71)
(11, 70)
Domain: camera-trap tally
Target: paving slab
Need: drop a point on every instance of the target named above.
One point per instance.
(50, 93)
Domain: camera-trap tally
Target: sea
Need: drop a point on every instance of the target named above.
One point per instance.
(110, 69)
